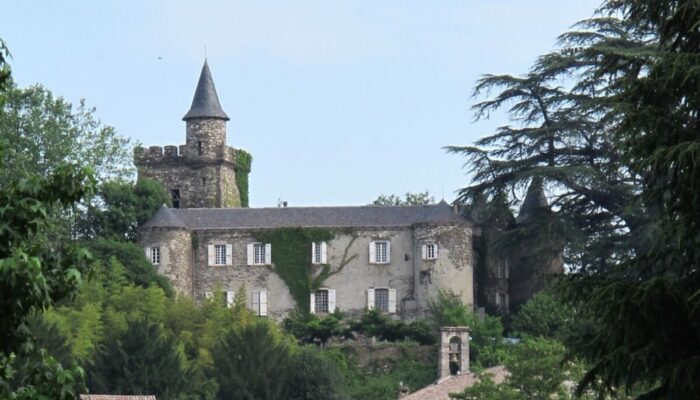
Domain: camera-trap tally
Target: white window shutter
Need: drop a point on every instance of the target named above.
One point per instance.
(372, 252)
(208, 295)
(229, 254)
(331, 300)
(229, 299)
(211, 254)
(249, 251)
(148, 252)
(263, 303)
(370, 299)
(507, 269)
(324, 253)
(507, 301)
(255, 305)
(424, 251)
(268, 253)
(437, 250)
(498, 299)
(313, 252)
(388, 252)
(312, 303)
(392, 301)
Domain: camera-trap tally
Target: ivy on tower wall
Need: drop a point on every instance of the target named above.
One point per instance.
(242, 166)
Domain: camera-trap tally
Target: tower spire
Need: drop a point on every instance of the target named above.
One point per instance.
(205, 103)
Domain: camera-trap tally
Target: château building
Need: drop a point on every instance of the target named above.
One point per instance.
(211, 245)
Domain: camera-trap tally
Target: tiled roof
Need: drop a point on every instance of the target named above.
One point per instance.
(114, 397)
(205, 103)
(328, 217)
(454, 384)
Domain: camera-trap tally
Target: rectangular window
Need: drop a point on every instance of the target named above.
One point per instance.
(381, 300)
(259, 253)
(219, 254)
(321, 305)
(319, 253)
(430, 251)
(175, 197)
(155, 255)
(380, 253)
(199, 148)
(502, 271)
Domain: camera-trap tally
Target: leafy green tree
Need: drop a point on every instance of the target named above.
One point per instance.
(143, 360)
(5, 71)
(122, 207)
(536, 372)
(251, 363)
(314, 376)
(617, 146)
(544, 315)
(410, 199)
(40, 131)
(35, 273)
(137, 268)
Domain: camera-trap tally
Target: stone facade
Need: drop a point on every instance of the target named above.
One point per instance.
(186, 260)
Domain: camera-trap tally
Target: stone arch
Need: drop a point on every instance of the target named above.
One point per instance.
(454, 351)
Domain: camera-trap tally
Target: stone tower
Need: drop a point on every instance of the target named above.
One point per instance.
(453, 355)
(202, 172)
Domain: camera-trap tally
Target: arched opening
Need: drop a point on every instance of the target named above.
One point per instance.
(455, 355)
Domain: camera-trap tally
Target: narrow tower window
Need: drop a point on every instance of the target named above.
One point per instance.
(204, 181)
(175, 197)
(199, 148)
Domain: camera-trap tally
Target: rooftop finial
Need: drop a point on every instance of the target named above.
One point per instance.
(205, 103)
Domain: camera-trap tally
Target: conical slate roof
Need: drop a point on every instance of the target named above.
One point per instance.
(534, 200)
(164, 218)
(205, 103)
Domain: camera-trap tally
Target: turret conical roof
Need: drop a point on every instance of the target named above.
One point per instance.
(534, 200)
(205, 103)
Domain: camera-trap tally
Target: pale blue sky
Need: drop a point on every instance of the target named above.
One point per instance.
(338, 101)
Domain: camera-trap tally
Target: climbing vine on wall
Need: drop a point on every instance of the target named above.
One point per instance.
(243, 164)
(291, 259)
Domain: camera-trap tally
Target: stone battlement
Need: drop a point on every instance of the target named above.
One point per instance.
(171, 153)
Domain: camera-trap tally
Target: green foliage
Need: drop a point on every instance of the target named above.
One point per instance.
(35, 273)
(243, 163)
(292, 260)
(309, 328)
(122, 207)
(142, 360)
(544, 315)
(486, 347)
(374, 323)
(537, 371)
(312, 376)
(252, 363)
(380, 380)
(410, 199)
(5, 71)
(40, 131)
(138, 269)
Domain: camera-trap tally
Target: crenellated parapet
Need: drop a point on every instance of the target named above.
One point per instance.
(157, 155)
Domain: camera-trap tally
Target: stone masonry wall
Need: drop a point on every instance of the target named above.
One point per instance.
(454, 267)
(211, 133)
(203, 182)
(175, 255)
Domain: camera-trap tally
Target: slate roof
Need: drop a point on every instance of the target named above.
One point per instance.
(205, 103)
(534, 199)
(320, 217)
